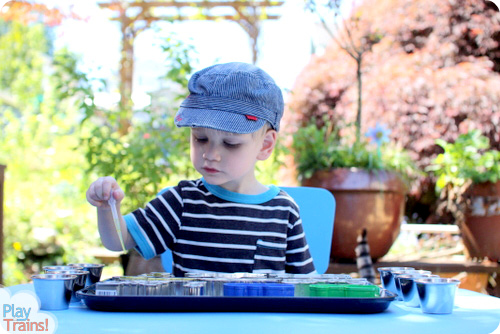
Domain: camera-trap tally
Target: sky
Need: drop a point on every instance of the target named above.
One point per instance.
(285, 45)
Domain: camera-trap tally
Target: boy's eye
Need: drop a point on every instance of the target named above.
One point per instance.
(231, 145)
(200, 139)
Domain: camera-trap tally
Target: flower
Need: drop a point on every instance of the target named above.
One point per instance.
(378, 134)
(321, 147)
(17, 246)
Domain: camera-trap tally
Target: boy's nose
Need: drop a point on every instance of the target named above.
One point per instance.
(211, 154)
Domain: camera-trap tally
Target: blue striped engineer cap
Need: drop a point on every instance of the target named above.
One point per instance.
(232, 97)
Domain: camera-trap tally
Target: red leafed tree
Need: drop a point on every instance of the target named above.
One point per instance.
(435, 73)
(29, 11)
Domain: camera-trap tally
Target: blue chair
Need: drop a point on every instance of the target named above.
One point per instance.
(317, 209)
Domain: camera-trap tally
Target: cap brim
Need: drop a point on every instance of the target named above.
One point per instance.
(217, 119)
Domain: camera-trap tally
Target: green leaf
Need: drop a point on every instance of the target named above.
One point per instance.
(468, 158)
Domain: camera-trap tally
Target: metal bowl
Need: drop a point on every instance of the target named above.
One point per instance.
(54, 290)
(396, 274)
(80, 281)
(95, 271)
(408, 288)
(387, 277)
(437, 295)
(48, 269)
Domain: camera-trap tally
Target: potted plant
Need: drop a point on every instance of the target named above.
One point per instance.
(369, 178)
(468, 182)
(363, 172)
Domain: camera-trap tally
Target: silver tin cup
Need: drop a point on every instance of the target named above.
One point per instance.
(199, 275)
(165, 288)
(95, 271)
(301, 286)
(108, 288)
(408, 288)
(54, 290)
(387, 279)
(81, 278)
(396, 274)
(159, 275)
(146, 288)
(213, 286)
(48, 269)
(437, 295)
(194, 288)
(129, 288)
(334, 276)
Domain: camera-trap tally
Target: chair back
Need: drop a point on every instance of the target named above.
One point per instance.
(317, 211)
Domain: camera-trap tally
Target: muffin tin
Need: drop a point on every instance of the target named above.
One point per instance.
(159, 292)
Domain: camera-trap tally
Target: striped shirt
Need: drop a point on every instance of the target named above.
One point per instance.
(211, 229)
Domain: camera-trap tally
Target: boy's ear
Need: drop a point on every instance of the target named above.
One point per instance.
(267, 144)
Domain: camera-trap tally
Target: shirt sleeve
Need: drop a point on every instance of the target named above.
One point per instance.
(298, 257)
(155, 227)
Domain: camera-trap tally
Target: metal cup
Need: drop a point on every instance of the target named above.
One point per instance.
(129, 288)
(194, 288)
(218, 286)
(146, 288)
(199, 275)
(408, 288)
(81, 278)
(214, 286)
(48, 269)
(54, 290)
(301, 286)
(437, 295)
(387, 278)
(165, 288)
(396, 274)
(158, 275)
(95, 271)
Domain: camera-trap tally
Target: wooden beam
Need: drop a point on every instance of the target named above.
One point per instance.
(129, 31)
(195, 18)
(204, 4)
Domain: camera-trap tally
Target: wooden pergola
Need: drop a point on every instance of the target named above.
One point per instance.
(138, 16)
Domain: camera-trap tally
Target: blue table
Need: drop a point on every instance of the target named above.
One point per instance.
(474, 313)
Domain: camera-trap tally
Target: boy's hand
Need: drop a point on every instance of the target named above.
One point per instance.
(100, 190)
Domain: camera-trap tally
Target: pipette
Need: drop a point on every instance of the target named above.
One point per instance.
(112, 204)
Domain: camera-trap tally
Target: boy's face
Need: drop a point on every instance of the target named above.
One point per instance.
(228, 159)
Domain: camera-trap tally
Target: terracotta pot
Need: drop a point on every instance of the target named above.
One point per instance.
(481, 230)
(371, 200)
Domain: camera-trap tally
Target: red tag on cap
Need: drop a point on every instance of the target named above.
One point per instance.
(251, 118)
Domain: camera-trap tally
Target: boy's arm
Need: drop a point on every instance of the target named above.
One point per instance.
(108, 232)
(98, 195)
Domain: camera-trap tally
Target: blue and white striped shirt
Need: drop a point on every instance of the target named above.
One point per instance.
(211, 229)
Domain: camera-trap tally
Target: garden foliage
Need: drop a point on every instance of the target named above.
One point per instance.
(434, 74)
(46, 219)
(55, 140)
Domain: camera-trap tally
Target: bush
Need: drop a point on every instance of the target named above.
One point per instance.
(435, 73)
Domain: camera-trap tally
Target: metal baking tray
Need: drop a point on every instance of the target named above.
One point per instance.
(235, 304)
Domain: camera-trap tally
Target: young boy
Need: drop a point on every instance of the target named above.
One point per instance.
(227, 221)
